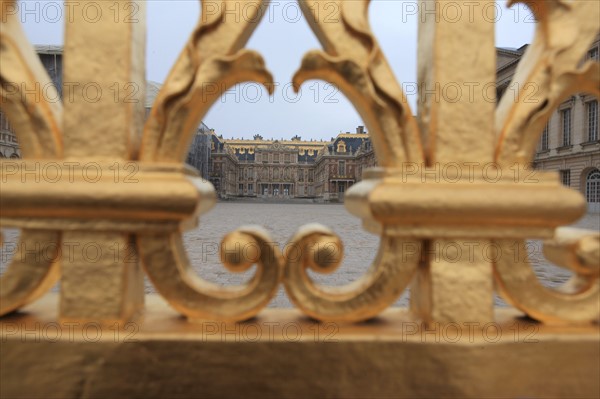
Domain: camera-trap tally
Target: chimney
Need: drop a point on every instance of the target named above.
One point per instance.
(360, 130)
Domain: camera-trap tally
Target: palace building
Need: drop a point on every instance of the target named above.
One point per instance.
(324, 170)
(289, 168)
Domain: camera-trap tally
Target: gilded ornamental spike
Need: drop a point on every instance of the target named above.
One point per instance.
(417, 215)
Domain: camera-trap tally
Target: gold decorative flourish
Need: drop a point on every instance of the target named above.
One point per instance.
(27, 94)
(165, 262)
(37, 122)
(317, 248)
(424, 223)
(211, 62)
(577, 300)
(548, 73)
(354, 62)
(30, 275)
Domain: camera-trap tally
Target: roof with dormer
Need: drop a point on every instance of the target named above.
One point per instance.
(308, 150)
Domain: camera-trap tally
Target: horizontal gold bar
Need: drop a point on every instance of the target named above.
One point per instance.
(125, 196)
(282, 354)
(409, 206)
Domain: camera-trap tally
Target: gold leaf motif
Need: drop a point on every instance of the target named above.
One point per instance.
(550, 66)
(576, 301)
(37, 123)
(165, 261)
(318, 248)
(26, 90)
(211, 62)
(354, 62)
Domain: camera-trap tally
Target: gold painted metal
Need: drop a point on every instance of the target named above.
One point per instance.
(574, 301)
(100, 278)
(429, 220)
(213, 57)
(354, 62)
(30, 275)
(167, 267)
(113, 195)
(141, 197)
(212, 61)
(453, 216)
(38, 123)
(576, 249)
(553, 66)
(318, 248)
(393, 357)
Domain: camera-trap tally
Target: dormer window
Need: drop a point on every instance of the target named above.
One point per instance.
(341, 147)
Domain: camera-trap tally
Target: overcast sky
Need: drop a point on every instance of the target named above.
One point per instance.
(319, 111)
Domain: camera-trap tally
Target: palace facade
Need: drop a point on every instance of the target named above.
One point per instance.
(289, 168)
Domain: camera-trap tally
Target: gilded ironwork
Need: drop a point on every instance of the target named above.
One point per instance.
(417, 212)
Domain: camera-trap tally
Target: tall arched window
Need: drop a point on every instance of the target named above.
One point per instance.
(592, 187)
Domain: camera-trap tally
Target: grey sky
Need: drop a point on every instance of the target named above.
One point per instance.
(319, 111)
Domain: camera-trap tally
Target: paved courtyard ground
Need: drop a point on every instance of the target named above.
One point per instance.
(282, 220)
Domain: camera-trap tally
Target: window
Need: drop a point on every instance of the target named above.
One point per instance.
(566, 127)
(341, 168)
(341, 147)
(544, 138)
(300, 175)
(241, 188)
(310, 175)
(593, 54)
(592, 186)
(251, 188)
(592, 116)
(287, 158)
(276, 158)
(565, 177)
(4, 125)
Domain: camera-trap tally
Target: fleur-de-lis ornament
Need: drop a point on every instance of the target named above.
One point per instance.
(436, 213)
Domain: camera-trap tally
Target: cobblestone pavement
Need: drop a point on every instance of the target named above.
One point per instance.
(282, 220)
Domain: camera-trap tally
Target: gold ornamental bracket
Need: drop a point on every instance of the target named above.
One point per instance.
(411, 201)
(417, 219)
(118, 196)
(552, 65)
(38, 125)
(116, 184)
(494, 203)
